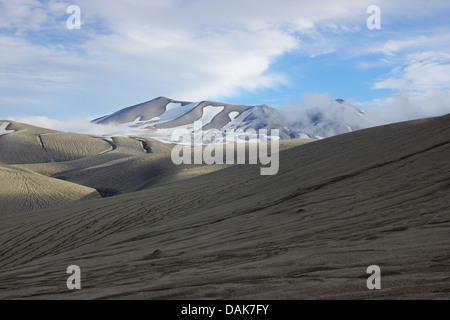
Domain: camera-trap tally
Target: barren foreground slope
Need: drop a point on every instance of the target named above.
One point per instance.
(378, 196)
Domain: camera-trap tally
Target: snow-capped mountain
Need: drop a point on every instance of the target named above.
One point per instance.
(326, 120)
(159, 117)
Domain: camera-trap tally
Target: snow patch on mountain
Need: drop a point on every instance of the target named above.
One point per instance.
(174, 110)
(159, 117)
(209, 113)
(232, 115)
(3, 126)
(239, 122)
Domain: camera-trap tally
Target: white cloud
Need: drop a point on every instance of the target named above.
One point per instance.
(83, 127)
(423, 74)
(320, 115)
(130, 51)
(190, 50)
(407, 44)
(406, 106)
(21, 16)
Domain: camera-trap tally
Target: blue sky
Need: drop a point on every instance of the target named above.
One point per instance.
(245, 52)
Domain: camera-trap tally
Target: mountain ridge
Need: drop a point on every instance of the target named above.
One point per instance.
(158, 117)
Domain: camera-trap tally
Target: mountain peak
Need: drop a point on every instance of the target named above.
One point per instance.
(158, 118)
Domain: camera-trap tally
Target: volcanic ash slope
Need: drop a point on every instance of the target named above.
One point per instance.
(374, 197)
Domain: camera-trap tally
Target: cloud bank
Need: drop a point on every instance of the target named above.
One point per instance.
(127, 52)
(80, 126)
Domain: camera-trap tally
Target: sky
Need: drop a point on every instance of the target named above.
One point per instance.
(250, 52)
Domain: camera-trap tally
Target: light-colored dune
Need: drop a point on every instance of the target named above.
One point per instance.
(24, 191)
(37, 155)
(374, 197)
(30, 144)
(134, 164)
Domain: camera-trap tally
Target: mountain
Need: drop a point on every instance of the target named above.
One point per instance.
(159, 117)
(326, 120)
